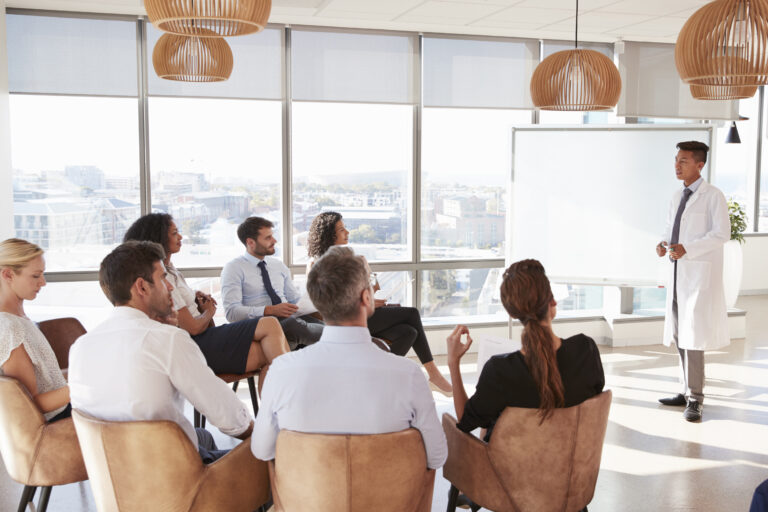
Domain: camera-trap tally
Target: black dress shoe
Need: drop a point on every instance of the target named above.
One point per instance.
(692, 411)
(678, 399)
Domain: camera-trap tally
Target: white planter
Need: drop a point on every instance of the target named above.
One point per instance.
(733, 265)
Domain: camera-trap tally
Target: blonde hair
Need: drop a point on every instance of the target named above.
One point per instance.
(16, 253)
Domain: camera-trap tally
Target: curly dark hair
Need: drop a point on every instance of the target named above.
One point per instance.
(152, 227)
(322, 233)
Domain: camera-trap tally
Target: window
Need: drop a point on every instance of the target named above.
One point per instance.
(355, 159)
(466, 165)
(452, 295)
(215, 162)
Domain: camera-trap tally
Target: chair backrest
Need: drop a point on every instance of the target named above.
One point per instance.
(345, 472)
(553, 465)
(139, 465)
(61, 333)
(21, 426)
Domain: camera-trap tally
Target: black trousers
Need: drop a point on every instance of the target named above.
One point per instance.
(304, 330)
(402, 327)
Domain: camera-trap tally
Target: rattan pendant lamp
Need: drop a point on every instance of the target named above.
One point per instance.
(192, 59)
(209, 18)
(576, 80)
(723, 47)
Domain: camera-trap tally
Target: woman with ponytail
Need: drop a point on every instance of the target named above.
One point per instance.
(546, 373)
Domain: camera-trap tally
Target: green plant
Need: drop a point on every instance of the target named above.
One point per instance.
(738, 220)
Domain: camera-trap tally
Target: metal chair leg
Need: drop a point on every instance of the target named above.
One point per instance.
(26, 496)
(45, 495)
(234, 385)
(453, 495)
(254, 398)
(197, 419)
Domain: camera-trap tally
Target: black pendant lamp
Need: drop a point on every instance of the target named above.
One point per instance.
(733, 135)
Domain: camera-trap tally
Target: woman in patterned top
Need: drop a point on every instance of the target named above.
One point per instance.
(25, 354)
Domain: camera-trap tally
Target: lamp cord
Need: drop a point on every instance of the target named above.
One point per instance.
(576, 37)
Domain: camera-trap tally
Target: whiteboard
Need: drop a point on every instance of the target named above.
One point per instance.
(591, 202)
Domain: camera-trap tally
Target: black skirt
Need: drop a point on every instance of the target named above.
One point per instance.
(226, 347)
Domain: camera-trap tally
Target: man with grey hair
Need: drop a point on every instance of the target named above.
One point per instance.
(344, 384)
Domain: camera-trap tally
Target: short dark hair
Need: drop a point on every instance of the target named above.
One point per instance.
(322, 233)
(699, 149)
(153, 227)
(335, 282)
(250, 228)
(124, 265)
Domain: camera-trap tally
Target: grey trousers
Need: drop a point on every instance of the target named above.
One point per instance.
(691, 361)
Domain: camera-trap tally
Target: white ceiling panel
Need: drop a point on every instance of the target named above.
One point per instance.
(599, 20)
(652, 7)
(461, 12)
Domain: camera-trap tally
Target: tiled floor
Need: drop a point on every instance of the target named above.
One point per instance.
(652, 459)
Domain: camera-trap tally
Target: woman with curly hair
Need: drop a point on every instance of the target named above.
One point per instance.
(546, 373)
(238, 347)
(400, 326)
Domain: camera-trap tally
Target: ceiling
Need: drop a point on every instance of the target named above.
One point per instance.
(599, 20)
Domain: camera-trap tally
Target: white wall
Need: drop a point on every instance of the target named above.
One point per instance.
(6, 179)
(755, 277)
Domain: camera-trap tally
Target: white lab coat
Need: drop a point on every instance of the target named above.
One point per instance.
(704, 228)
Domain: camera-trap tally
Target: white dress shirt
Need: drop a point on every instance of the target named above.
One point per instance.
(133, 368)
(242, 286)
(344, 384)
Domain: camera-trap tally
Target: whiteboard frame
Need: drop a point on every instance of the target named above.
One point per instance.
(707, 129)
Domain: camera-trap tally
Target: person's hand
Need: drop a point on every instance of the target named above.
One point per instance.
(661, 249)
(208, 305)
(282, 310)
(456, 349)
(378, 303)
(676, 251)
(201, 298)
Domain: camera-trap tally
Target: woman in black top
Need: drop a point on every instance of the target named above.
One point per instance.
(400, 326)
(547, 372)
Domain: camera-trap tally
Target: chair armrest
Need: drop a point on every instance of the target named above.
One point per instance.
(469, 468)
(58, 457)
(237, 481)
(425, 503)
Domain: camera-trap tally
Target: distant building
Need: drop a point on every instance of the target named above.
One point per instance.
(86, 176)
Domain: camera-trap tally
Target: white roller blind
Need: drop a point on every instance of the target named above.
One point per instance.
(342, 66)
(256, 73)
(472, 73)
(591, 203)
(71, 55)
(651, 87)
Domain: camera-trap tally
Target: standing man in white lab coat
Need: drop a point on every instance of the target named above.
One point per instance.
(696, 319)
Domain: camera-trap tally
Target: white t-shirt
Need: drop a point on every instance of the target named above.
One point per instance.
(183, 296)
(17, 330)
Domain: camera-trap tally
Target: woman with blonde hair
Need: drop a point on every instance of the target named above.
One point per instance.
(546, 373)
(25, 354)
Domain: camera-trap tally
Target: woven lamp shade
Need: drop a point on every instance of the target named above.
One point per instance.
(192, 59)
(725, 43)
(722, 92)
(209, 18)
(576, 80)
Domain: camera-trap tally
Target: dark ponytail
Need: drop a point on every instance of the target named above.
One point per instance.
(526, 295)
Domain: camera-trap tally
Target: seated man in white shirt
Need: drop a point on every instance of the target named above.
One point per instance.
(344, 384)
(132, 367)
(253, 285)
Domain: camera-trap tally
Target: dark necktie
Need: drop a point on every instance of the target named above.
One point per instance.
(676, 226)
(268, 283)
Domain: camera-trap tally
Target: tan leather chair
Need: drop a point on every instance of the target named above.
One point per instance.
(351, 473)
(151, 465)
(530, 467)
(36, 453)
(61, 333)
